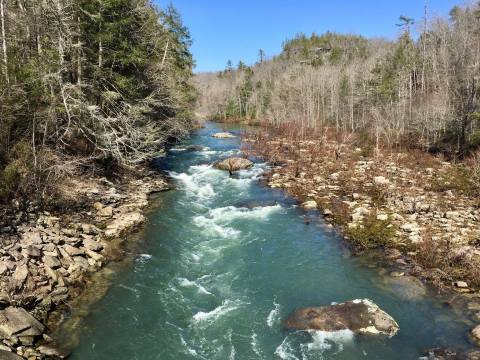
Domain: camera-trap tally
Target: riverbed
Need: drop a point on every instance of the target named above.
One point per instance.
(223, 259)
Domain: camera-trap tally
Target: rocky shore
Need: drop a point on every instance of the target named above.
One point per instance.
(421, 211)
(46, 257)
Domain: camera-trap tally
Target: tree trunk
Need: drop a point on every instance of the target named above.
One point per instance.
(4, 41)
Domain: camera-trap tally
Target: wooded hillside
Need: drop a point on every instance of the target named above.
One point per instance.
(418, 91)
(88, 82)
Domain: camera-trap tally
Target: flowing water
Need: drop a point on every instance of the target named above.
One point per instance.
(224, 259)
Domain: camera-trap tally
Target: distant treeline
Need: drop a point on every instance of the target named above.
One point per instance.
(416, 91)
(88, 83)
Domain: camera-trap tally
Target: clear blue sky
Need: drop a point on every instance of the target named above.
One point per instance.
(236, 30)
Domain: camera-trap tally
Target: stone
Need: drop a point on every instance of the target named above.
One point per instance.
(359, 213)
(52, 262)
(82, 262)
(93, 255)
(334, 176)
(32, 252)
(475, 333)
(7, 355)
(20, 275)
(72, 250)
(410, 227)
(92, 245)
(233, 164)
(380, 180)
(223, 135)
(359, 316)
(310, 205)
(18, 322)
(382, 217)
(405, 287)
(128, 221)
(98, 206)
(460, 284)
(106, 212)
(89, 229)
(327, 212)
(3, 268)
(32, 237)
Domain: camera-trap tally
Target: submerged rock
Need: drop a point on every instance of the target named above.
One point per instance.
(358, 316)
(52, 351)
(223, 135)
(233, 164)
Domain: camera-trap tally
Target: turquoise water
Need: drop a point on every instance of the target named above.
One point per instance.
(224, 259)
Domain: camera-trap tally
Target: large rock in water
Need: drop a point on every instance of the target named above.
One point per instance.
(233, 164)
(358, 316)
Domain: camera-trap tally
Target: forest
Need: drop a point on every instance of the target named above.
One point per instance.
(420, 91)
(88, 85)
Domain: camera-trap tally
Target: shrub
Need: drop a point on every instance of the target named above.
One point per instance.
(459, 178)
(372, 233)
(14, 176)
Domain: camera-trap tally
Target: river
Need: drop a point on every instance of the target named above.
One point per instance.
(224, 259)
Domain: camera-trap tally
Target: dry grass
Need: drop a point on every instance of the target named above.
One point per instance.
(444, 262)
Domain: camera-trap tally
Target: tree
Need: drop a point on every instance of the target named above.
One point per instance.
(261, 56)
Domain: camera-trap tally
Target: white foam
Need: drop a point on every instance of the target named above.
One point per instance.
(253, 173)
(197, 181)
(284, 351)
(187, 283)
(273, 317)
(325, 340)
(229, 213)
(255, 345)
(219, 311)
(209, 225)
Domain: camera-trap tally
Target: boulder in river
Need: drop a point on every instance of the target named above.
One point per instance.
(223, 135)
(358, 316)
(233, 164)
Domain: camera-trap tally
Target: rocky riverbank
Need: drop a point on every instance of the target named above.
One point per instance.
(46, 257)
(422, 211)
